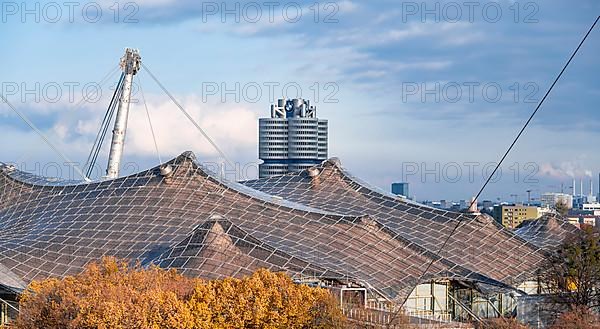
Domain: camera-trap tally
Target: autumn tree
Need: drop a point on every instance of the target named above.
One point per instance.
(572, 273)
(583, 319)
(264, 300)
(561, 208)
(113, 294)
(108, 295)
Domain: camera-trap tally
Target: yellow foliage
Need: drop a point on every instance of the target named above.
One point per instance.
(114, 295)
(571, 284)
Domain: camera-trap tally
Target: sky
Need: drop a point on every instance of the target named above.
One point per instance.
(431, 93)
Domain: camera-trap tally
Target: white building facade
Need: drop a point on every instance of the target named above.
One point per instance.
(549, 200)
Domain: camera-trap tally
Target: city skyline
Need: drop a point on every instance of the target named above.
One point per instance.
(380, 89)
(335, 164)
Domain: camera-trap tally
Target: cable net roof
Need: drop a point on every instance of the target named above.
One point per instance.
(331, 226)
(480, 244)
(547, 231)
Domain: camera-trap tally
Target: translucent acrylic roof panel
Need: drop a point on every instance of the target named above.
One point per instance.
(479, 244)
(195, 222)
(546, 232)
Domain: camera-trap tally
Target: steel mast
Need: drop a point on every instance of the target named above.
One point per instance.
(130, 64)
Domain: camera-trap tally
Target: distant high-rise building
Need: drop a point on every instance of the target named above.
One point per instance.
(445, 204)
(487, 204)
(292, 139)
(549, 200)
(400, 189)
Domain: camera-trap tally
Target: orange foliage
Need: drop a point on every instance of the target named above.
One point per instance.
(114, 295)
(578, 319)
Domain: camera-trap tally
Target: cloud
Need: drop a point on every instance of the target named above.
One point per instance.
(347, 6)
(364, 35)
(564, 170)
(368, 53)
(301, 18)
(233, 128)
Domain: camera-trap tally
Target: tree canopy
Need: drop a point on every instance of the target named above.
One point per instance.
(562, 208)
(572, 272)
(114, 295)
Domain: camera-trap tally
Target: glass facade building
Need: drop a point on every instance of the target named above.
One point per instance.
(292, 139)
(400, 189)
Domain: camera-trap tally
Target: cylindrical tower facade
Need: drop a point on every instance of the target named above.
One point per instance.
(292, 139)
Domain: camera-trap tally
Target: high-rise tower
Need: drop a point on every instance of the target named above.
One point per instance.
(292, 139)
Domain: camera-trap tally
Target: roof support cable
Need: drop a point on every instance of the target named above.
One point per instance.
(149, 121)
(114, 108)
(462, 217)
(46, 140)
(189, 117)
(104, 129)
(100, 84)
(92, 157)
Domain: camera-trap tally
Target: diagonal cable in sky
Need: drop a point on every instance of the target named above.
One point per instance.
(461, 218)
(189, 117)
(46, 140)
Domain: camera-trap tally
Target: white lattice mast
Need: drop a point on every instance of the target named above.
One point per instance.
(130, 64)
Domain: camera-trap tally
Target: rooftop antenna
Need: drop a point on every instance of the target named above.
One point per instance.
(130, 64)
